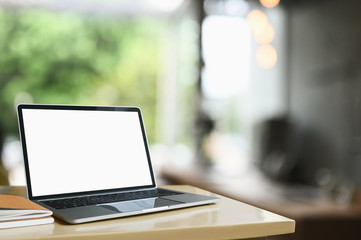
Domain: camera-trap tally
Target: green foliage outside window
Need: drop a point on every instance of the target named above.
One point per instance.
(63, 58)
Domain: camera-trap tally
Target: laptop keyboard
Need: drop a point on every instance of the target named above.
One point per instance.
(108, 198)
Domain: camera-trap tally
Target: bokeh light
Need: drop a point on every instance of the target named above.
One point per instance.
(269, 3)
(257, 20)
(266, 56)
(265, 36)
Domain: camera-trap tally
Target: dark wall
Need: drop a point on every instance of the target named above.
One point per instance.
(325, 90)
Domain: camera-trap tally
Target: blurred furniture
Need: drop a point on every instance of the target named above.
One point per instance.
(4, 180)
(316, 213)
(227, 219)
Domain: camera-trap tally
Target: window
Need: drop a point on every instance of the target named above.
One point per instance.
(140, 53)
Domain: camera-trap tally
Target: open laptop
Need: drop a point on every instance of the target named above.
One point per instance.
(89, 163)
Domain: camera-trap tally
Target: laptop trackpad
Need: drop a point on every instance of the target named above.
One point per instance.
(138, 205)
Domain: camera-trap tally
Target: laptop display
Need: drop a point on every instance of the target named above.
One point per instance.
(83, 150)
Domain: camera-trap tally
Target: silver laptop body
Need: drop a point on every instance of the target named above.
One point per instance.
(89, 163)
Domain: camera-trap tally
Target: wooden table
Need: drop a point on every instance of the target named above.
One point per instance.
(316, 211)
(227, 219)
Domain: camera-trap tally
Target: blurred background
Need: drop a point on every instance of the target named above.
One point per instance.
(258, 100)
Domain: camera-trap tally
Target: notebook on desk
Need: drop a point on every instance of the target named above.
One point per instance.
(89, 163)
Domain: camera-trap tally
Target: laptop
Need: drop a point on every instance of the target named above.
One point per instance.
(90, 163)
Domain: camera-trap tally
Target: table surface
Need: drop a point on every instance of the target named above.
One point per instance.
(227, 219)
(295, 201)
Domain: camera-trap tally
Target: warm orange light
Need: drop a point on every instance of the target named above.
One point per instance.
(269, 3)
(266, 56)
(266, 35)
(257, 20)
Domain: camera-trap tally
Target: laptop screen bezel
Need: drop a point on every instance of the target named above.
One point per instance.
(20, 109)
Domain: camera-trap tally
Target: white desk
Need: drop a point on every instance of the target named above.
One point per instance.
(227, 219)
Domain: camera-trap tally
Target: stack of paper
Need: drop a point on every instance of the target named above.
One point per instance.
(17, 211)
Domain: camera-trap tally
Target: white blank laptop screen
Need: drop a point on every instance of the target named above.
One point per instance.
(78, 150)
